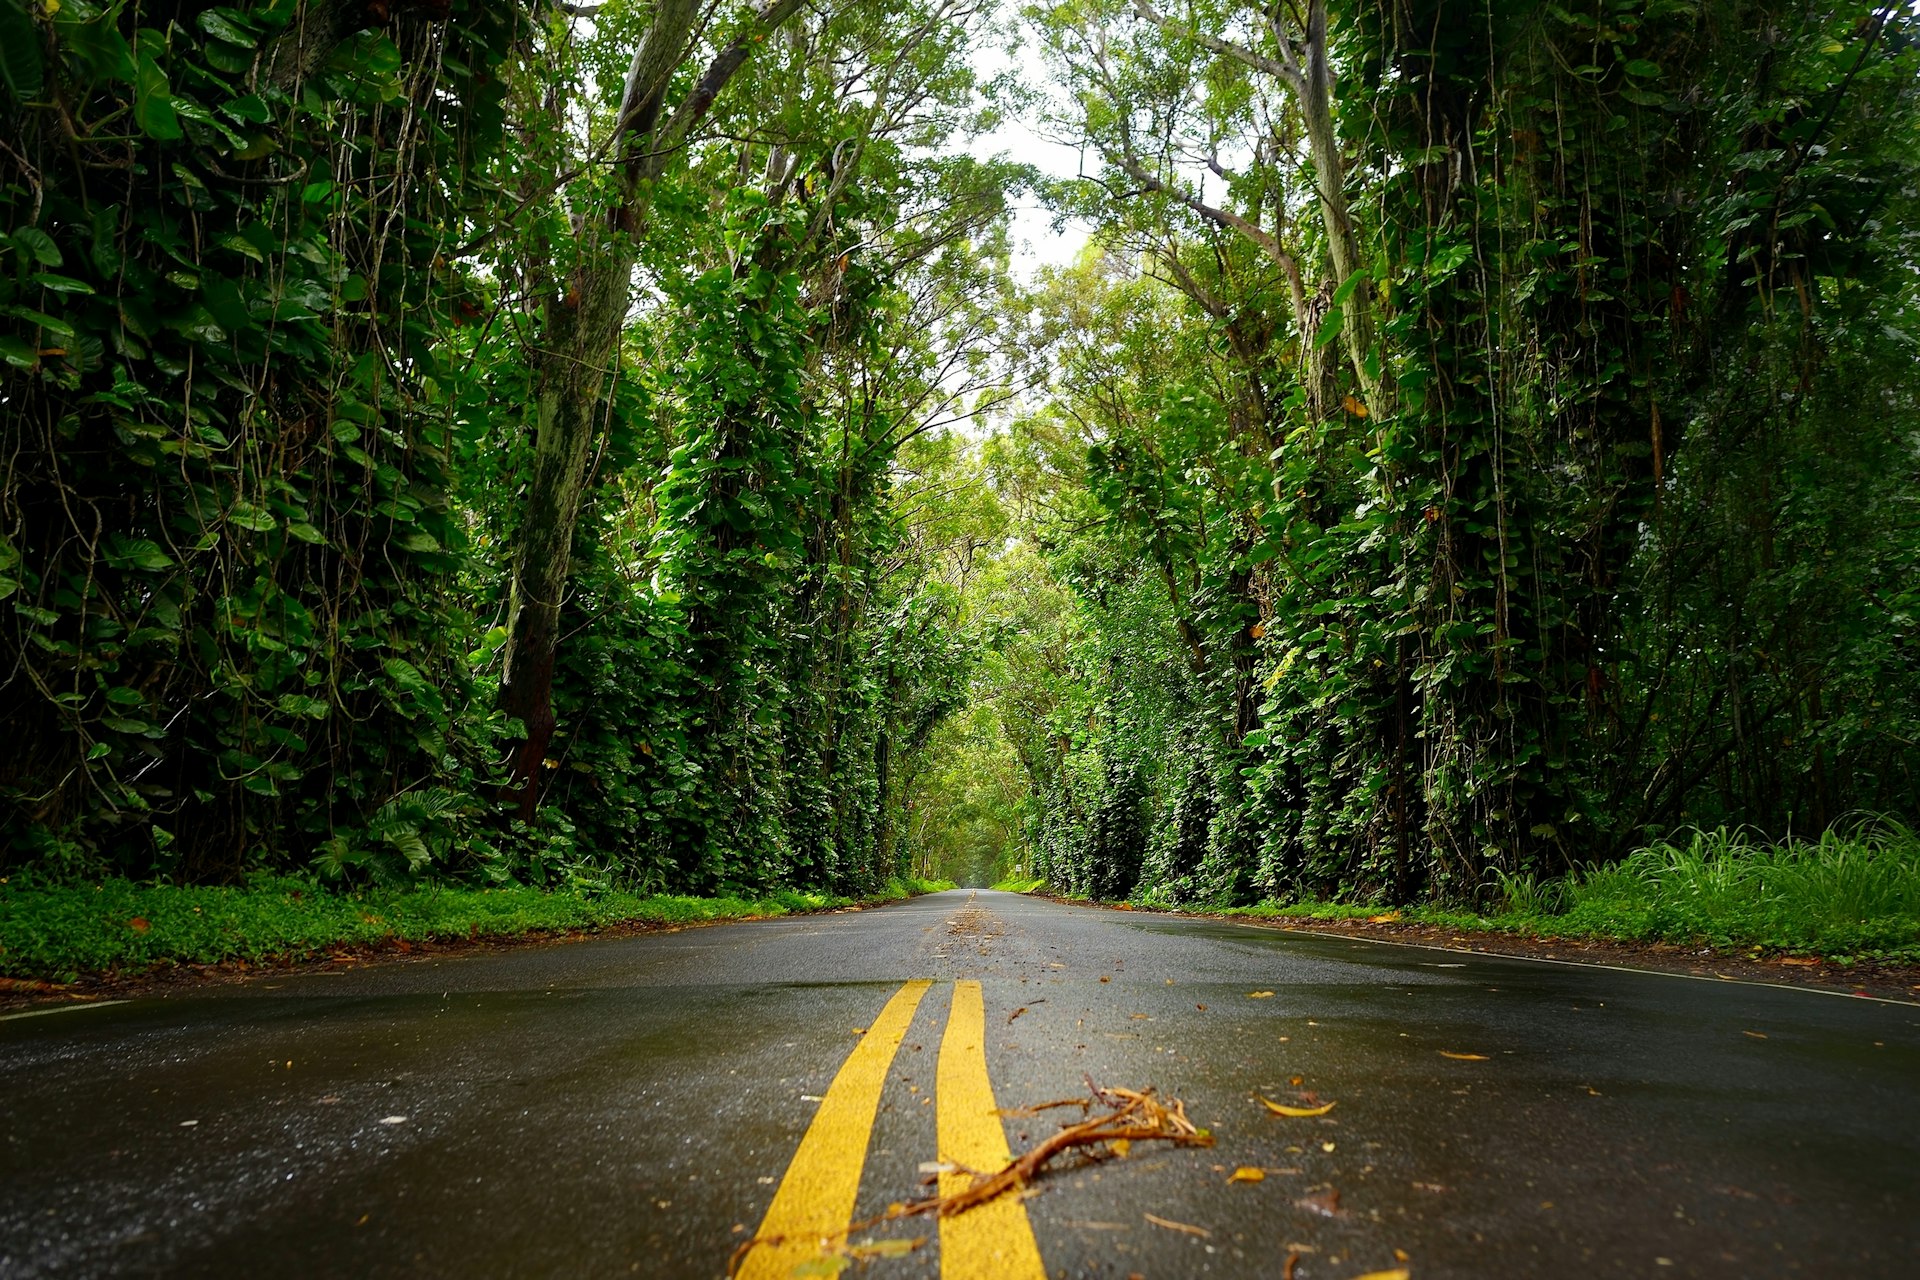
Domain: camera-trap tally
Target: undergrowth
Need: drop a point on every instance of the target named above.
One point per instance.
(1850, 894)
(61, 932)
(1018, 884)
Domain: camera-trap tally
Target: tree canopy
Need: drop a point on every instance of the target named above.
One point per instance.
(621, 446)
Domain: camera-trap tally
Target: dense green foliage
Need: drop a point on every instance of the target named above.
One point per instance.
(1555, 494)
(271, 312)
(609, 447)
(228, 547)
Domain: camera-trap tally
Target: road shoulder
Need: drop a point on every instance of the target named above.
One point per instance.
(1859, 978)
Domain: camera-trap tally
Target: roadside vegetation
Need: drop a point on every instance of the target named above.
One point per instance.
(1852, 895)
(57, 933)
(1021, 884)
(506, 453)
(485, 459)
(1479, 483)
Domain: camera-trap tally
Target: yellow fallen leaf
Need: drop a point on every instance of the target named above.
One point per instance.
(1298, 1113)
(1388, 918)
(1121, 1146)
(1258, 995)
(1397, 1273)
(1464, 1057)
(1247, 1173)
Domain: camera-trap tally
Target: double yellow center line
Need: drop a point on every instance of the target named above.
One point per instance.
(814, 1204)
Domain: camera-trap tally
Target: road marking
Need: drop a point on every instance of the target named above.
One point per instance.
(60, 1008)
(815, 1199)
(1575, 964)
(993, 1241)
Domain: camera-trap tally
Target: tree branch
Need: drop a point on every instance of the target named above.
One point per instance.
(1286, 67)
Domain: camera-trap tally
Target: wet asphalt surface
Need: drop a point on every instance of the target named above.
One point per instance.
(626, 1107)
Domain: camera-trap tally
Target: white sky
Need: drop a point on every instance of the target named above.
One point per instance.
(1035, 243)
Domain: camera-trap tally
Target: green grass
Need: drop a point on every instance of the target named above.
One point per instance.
(1851, 894)
(1014, 884)
(913, 886)
(1360, 911)
(59, 933)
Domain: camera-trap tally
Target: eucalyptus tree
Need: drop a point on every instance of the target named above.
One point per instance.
(835, 97)
(1239, 94)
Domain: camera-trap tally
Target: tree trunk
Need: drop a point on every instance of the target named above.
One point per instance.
(1330, 176)
(582, 331)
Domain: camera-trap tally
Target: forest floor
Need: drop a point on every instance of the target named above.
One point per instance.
(1858, 977)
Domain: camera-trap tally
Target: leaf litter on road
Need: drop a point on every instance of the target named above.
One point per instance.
(1324, 1202)
(1464, 1057)
(1298, 1113)
(1185, 1228)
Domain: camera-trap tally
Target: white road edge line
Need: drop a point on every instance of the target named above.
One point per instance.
(1502, 955)
(1575, 964)
(59, 1008)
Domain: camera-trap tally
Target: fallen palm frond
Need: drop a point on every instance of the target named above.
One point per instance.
(1131, 1116)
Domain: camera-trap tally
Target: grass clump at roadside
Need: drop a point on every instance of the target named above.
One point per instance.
(1851, 894)
(1848, 893)
(1018, 884)
(57, 933)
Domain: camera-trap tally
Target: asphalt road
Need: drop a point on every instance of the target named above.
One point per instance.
(631, 1107)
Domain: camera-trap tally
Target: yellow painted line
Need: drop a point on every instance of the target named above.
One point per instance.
(995, 1240)
(815, 1199)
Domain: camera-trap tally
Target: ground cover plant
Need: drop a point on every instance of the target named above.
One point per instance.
(56, 933)
(1849, 894)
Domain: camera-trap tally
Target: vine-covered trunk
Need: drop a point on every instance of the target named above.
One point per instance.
(570, 363)
(583, 330)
